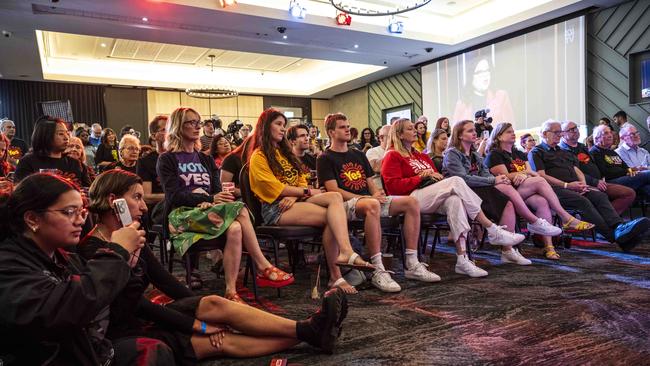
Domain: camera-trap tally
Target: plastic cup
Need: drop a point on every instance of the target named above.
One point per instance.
(228, 187)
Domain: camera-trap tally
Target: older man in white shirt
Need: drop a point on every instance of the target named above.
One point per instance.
(630, 150)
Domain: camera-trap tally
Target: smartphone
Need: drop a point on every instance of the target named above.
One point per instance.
(122, 211)
(486, 134)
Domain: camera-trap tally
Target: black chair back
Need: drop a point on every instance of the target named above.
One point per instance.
(248, 197)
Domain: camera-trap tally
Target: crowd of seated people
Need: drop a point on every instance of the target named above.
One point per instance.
(97, 272)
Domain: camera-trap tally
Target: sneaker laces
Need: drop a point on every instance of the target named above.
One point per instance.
(418, 266)
(381, 271)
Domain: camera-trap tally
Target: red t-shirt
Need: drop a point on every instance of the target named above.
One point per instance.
(400, 173)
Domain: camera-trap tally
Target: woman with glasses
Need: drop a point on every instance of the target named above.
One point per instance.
(531, 190)
(279, 181)
(190, 179)
(107, 151)
(195, 327)
(527, 142)
(368, 140)
(129, 149)
(54, 306)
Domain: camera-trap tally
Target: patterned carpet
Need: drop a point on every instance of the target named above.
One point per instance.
(591, 307)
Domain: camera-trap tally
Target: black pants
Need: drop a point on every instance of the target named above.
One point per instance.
(594, 207)
(142, 351)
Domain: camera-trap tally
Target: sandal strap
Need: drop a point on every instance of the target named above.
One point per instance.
(352, 258)
(280, 275)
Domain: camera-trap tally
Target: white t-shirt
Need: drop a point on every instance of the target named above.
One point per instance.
(375, 154)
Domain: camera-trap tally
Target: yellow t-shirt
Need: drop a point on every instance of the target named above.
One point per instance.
(268, 186)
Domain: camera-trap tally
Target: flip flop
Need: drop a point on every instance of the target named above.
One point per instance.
(365, 267)
(337, 285)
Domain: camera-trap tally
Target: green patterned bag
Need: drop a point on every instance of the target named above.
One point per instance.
(189, 225)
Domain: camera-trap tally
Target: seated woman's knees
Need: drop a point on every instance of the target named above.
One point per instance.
(234, 228)
(456, 179)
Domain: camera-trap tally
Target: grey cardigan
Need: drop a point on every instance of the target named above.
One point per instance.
(456, 163)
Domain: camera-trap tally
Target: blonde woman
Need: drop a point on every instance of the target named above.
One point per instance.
(408, 172)
(527, 188)
(189, 178)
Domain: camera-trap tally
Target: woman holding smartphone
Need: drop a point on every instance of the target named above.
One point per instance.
(194, 327)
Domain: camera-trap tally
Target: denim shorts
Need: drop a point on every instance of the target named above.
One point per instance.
(351, 205)
(271, 212)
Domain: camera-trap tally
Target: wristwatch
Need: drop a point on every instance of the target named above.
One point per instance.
(305, 191)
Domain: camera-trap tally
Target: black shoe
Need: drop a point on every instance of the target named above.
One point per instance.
(627, 234)
(324, 327)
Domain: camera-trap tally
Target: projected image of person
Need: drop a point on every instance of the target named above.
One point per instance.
(478, 94)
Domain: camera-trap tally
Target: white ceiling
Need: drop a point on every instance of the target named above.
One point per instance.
(181, 33)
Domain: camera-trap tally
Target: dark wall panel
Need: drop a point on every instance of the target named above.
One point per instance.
(400, 89)
(296, 102)
(612, 34)
(18, 101)
(126, 106)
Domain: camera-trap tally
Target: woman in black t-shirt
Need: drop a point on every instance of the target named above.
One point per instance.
(503, 158)
(107, 153)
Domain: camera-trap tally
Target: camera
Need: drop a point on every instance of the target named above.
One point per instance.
(6, 34)
(281, 29)
(483, 113)
(429, 49)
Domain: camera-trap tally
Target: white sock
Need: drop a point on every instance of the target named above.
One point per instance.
(375, 260)
(411, 258)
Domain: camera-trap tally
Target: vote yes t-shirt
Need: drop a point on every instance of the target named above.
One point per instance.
(350, 169)
(192, 174)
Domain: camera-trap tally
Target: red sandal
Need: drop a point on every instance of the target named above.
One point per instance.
(234, 297)
(274, 277)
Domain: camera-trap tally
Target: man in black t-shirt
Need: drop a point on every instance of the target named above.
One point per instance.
(146, 167)
(560, 169)
(298, 135)
(348, 172)
(49, 140)
(620, 196)
(612, 166)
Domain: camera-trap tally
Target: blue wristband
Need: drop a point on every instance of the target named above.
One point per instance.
(203, 327)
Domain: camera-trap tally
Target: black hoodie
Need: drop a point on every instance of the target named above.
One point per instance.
(50, 307)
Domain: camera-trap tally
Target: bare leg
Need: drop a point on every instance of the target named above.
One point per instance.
(538, 185)
(508, 218)
(232, 256)
(517, 201)
(239, 345)
(368, 208)
(541, 207)
(246, 319)
(411, 210)
(250, 241)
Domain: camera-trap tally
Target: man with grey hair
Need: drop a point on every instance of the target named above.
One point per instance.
(612, 166)
(376, 154)
(17, 148)
(620, 196)
(95, 137)
(630, 150)
(560, 169)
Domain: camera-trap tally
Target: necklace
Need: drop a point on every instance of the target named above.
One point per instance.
(99, 232)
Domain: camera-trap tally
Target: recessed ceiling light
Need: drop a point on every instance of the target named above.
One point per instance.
(145, 19)
(285, 37)
(356, 46)
(103, 45)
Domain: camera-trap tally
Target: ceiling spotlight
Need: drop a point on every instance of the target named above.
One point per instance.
(227, 3)
(395, 26)
(284, 36)
(296, 10)
(103, 45)
(343, 19)
(145, 19)
(356, 46)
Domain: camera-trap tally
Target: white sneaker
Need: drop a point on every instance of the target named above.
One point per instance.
(542, 227)
(382, 280)
(501, 236)
(421, 273)
(513, 256)
(467, 267)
